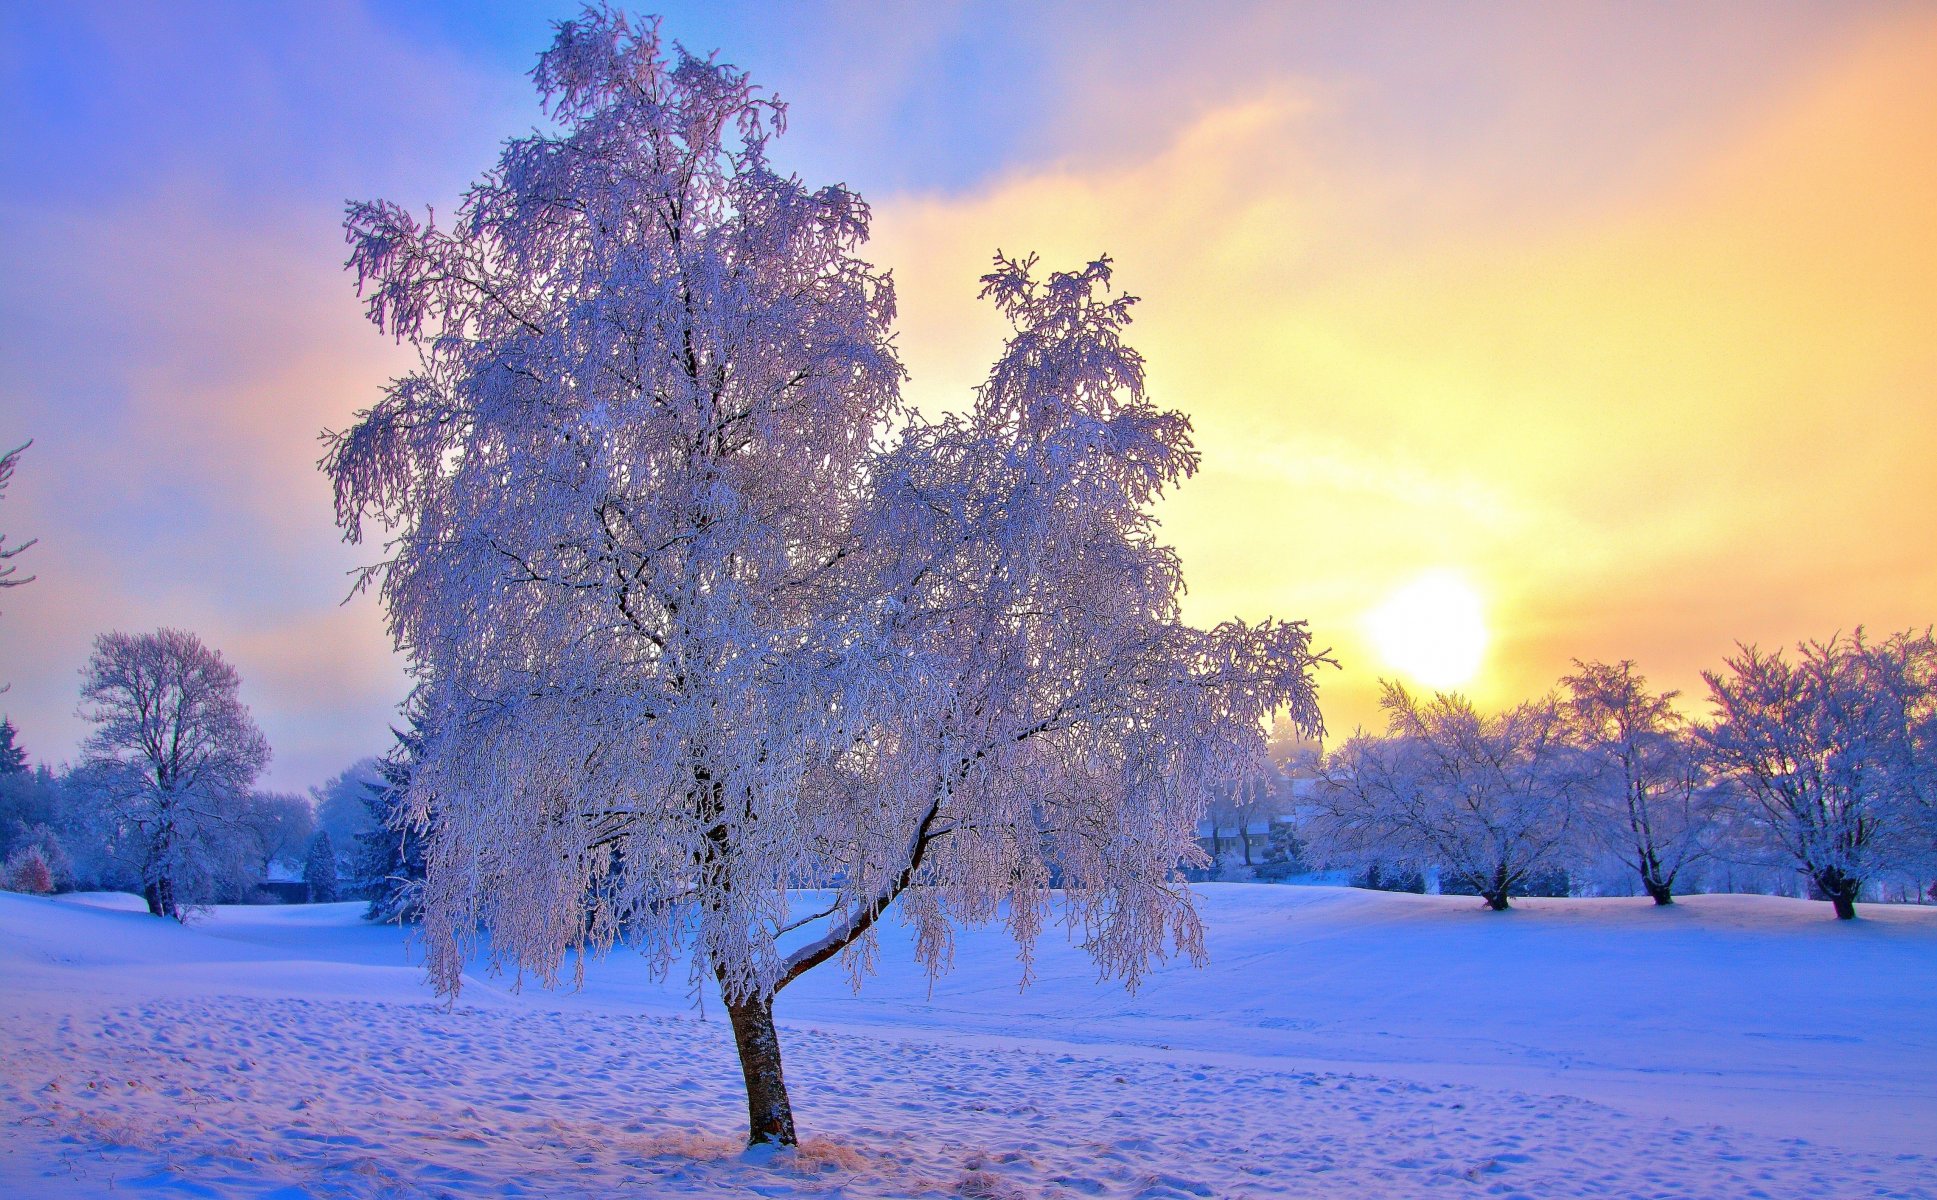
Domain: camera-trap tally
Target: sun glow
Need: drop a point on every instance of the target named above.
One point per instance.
(1431, 629)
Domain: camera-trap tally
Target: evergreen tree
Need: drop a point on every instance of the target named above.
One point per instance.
(390, 855)
(13, 759)
(319, 869)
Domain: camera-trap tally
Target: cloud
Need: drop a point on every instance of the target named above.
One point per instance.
(1697, 411)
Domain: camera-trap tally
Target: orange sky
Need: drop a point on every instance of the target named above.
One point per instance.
(1701, 411)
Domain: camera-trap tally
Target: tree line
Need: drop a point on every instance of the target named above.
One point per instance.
(164, 803)
(1818, 760)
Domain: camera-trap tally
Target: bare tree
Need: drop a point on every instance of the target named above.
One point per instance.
(8, 462)
(171, 759)
(689, 636)
(1490, 799)
(1829, 751)
(1649, 797)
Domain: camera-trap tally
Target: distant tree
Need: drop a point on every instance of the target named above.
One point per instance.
(687, 640)
(171, 758)
(1391, 877)
(319, 868)
(1490, 799)
(1254, 798)
(277, 826)
(1827, 751)
(13, 759)
(1649, 799)
(37, 809)
(390, 853)
(339, 803)
(1285, 849)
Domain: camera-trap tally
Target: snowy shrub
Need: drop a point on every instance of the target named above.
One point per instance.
(27, 871)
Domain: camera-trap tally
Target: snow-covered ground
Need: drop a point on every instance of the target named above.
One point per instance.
(1341, 1043)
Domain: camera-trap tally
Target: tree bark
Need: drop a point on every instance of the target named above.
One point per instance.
(160, 894)
(1662, 893)
(1497, 895)
(1840, 890)
(770, 1117)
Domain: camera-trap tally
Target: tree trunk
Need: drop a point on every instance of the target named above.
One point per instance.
(770, 1117)
(160, 894)
(1244, 836)
(1496, 896)
(1662, 893)
(1840, 890)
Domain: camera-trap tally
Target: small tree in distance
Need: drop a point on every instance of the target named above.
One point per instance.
(390, 852)
(319, 868)
(688, 636)
(1490, 798)
(174, 751)
(1829, 749)
(1649, 797)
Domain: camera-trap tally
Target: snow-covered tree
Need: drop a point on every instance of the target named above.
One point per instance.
(172, 756)
(319, 868)
(686, 639)
(390, 853)
(1828, 751)
(1649, 799)
(13, 758)
(1491, 799)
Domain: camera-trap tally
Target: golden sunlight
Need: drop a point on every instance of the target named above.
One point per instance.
(1431, 629)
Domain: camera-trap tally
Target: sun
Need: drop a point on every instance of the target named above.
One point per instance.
(1431, 629)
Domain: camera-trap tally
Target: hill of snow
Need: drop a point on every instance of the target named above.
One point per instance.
(1339, 1043)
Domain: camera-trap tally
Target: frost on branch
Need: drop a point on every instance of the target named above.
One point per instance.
(1832, 752)
(1649, 795)
(1493, 798)
(170, 760)
(688, 636)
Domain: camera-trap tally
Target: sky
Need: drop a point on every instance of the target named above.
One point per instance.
(1612, 321)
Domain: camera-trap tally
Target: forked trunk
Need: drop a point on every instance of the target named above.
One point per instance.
(1840, 890)
(770, 1118)
(1658, 882)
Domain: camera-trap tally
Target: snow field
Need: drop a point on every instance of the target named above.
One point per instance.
(288, 1052)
